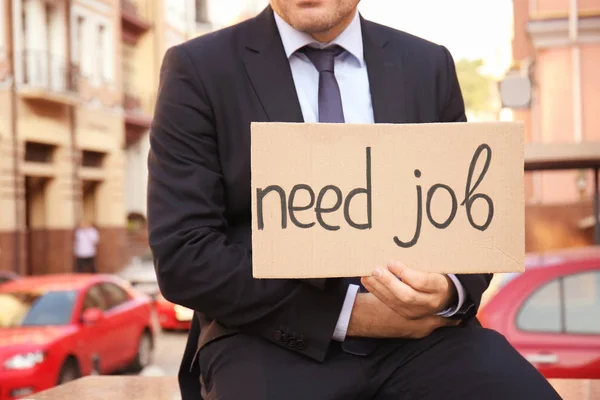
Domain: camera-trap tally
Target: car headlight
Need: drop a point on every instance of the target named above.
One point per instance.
(25, 361)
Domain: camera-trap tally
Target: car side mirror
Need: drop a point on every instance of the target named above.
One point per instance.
(92, 316)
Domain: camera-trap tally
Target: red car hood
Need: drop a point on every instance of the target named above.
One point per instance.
(22, 340)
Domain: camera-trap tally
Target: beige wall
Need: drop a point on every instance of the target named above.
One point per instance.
(590, 71)
(7, 189)
(552, 118)
(98, 129)
(556, 117)
(40, 122)
(94, 122)
(556, 204)
(148, 57)
(554, 8)
(103, 131)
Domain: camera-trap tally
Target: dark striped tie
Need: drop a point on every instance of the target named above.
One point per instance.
(330, 99)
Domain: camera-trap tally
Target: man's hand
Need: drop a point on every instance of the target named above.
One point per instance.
(410, 293)
(372, 318)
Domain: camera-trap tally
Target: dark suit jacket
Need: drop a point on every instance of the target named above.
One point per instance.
(199, 214)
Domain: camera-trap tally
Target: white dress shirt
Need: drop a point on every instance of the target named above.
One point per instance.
(351, 75)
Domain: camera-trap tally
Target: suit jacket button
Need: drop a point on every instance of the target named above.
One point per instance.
(278, 335)
(300, 345)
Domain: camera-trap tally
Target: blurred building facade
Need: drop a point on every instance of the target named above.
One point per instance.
(149, 28)
(557, 44)
(78, 83)
(61, 132)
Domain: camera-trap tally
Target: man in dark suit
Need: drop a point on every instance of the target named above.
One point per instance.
(372, 338)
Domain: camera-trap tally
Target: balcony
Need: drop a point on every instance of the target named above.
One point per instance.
(133, 24)
(48, 78)
(137, 122)
(554, 32)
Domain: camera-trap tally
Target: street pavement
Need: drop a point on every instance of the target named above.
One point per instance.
(167, 354)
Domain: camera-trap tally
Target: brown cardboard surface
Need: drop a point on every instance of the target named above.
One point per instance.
(377, 163)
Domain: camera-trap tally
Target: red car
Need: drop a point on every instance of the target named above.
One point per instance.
(551, 312)
(172, 316)
(6, 276)
(56, 328)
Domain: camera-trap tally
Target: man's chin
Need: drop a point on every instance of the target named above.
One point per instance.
(311, 24)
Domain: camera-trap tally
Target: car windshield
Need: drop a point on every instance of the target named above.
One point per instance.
(505, 278)
(19, 309)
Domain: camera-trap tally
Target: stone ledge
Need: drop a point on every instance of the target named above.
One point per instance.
(114, 388)
(166, 388)
(577, 389)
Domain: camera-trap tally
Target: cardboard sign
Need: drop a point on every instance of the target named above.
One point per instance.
(336, 200)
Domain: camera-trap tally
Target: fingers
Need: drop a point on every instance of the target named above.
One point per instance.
(418, 280)
(393, 292)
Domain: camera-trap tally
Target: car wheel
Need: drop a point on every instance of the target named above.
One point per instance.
(143, 357)
(69, 371)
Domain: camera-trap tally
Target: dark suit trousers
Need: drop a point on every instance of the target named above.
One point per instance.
(453, 363)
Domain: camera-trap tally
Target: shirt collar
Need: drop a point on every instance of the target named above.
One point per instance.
(350, 39)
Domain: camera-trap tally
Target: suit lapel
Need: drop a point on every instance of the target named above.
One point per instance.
(386, 76)
(269, 70)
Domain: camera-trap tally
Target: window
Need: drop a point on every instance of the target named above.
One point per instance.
(101, 54)
(201, 11)
(36, 309)
(542, 311)
(570, 304)
(92, 159)
(49, 10)
(39, 152)
(94, 298)
(82, 50)
(582, 303)
(79, 26)
(3, 43)
(115, 296)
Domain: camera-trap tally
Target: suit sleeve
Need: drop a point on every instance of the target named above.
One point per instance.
(452, 109)
(196, 265)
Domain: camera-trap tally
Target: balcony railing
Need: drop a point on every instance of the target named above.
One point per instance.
(134, 22)
(137, 121)
(131, 102)
(43, 70)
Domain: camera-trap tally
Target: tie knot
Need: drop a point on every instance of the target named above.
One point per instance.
(323, 59)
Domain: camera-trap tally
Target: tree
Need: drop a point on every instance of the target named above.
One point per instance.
(475, 86)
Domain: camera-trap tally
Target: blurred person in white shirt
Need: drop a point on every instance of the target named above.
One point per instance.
(86, 240)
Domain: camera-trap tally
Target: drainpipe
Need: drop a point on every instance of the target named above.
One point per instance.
(576, 65)
(73, 78)
(535, 124)
(577, 106)
(13, 127)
